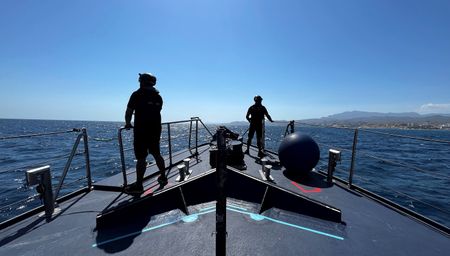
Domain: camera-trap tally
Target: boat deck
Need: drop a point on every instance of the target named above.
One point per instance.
(365, 226)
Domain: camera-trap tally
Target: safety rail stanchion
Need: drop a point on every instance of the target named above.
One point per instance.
(122, 156)
(69, 161)
(190, 133)
(86, 156)
(352, 164)
(170, 144)
(196, 139)
(221, 204)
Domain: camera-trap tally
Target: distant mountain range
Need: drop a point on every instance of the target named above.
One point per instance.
(353, 119)
(375, 119)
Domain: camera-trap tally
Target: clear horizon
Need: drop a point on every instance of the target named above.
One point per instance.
(232, 121)
(307, 59)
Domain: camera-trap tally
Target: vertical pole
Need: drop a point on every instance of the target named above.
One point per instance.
(170, 144)
(352, 165)
(48, 194)
(221, 205)
(196, 139)
(263, 136)
(122, 157)
(292, 126)
(86, 155)
(190, 133)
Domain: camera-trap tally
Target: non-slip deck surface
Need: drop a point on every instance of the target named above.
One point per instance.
(367, 228)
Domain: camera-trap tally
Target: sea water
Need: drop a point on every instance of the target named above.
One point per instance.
(413, 173)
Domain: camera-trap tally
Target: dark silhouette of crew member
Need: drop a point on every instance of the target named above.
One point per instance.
(255, 115)
(146, 103)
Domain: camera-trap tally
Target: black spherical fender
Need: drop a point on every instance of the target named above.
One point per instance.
(298, 152)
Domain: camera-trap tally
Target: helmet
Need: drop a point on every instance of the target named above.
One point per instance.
(257, 98)
(147, 78)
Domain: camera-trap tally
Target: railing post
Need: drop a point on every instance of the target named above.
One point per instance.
(196, 138)
(352, 165)
(221, 204)
(170, 144)
(122, 157)
(68, 163)
(86, 155)
(190, 134)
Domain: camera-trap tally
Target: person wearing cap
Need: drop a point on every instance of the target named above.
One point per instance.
(255, 115)
(146, 104)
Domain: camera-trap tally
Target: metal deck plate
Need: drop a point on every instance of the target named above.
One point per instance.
(367, 228)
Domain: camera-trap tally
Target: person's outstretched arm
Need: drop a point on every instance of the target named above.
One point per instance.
(268, 116)
(248, 115)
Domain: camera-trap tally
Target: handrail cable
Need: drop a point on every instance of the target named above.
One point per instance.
(406, 165)
(19, 201)
(403, 194)
(406, 136)
(102, 139)
(39, 134)
(72, 182)
(48, 161)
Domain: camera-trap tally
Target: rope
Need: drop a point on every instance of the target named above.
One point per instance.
(38, 134)
(407, 137)
(403, 194)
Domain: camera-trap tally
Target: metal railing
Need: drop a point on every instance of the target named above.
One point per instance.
(192, 131)
(82, 136)
(356, 134)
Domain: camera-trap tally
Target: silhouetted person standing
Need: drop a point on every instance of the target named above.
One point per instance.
(146, 103)
(255, 115)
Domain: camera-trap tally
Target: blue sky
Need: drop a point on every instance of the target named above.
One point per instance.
(79, 60)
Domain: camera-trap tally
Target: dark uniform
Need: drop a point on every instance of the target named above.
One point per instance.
(257, 113)
(147, 104)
